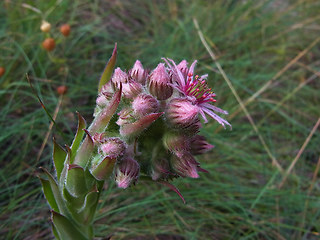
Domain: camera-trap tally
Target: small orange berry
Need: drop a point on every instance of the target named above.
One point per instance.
(49, 44)
(2, 71)
(61, 90)
(65, 29)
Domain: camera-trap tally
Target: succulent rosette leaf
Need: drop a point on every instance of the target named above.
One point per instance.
(146, 126)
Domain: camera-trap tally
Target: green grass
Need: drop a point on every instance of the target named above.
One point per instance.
(240, 198)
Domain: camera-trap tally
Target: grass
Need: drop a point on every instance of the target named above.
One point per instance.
(257, 44)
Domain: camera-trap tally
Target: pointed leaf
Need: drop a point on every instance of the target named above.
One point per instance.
(137, 127)
(85, 151)
(106, 75)
(49, 194)
(102, 168)
(65, 228)
(173, 188)
(55, 232)
(55, 191)
(101, 121)
(76, 184)
(78, 137)
(89, 207)
(59, 156)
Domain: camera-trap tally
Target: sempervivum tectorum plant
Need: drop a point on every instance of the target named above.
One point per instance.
(146, 124)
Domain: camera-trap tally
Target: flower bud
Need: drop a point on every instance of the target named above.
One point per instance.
(127, 171)
(45, 26)
(159, 83)
(199, 145)
(182, 113)
(185, 165)
(138, 73)
(65, 29)
(175, 142)
(125, 117)
(118, 77)
(144, 104)
(183, 67)
(49, 44)
(112, 147)
(160, 169)
(105, 95)
(131, 88)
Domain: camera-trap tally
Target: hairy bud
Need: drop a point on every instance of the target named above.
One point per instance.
(127, 171)
(159, 83)
(182, 113)
(138, 73)
(145, 104)
(199, 145)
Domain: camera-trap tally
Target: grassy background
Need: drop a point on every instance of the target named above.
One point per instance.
(256, 42)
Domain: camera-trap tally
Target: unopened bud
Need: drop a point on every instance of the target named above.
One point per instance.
(113, 147)
(45, 26)
(131, 88)
(159, 83)
(145, 104)
(127, 171)
(138, 73)
(125, 116)
(160, 169)
(119, 77)
(182, 113)
(175, 142)
(185, 165)
(199, 145)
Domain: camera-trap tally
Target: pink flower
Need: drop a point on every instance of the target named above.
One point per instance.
(127, 171)
(196, 89)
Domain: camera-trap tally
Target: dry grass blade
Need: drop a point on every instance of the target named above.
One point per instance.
(295, 160)
(242, 105)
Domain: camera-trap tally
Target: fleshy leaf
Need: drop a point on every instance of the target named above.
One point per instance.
(48, 193)
(101, 121)
(55, 232)
(76, 184)
(78, 137)
(55, 191)
(106, 75)
(65, 229)
(59, 156)
(85, 151)
(89, 207)
(137, 127)
(103, 168)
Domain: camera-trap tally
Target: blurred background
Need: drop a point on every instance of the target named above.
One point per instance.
(263, 181)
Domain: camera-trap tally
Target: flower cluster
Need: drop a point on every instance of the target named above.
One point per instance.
(146, 123)
(155, 129)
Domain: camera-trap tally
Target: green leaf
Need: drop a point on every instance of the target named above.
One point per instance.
(102, 168)
(76, 183)
(78, 137)
(85, 151)
(55, 191)
(63, 175)
(106, 75)
(89, 207)
(66, 229)
(48, 193)
(55, 232)
(59, 156)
